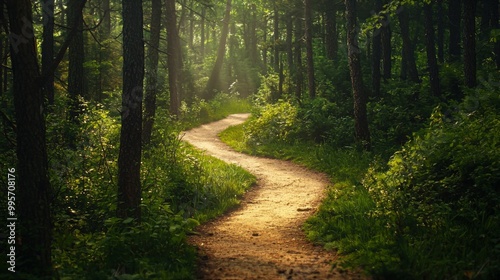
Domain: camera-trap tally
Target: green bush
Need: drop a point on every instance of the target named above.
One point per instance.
(440, 198)
(275, 122)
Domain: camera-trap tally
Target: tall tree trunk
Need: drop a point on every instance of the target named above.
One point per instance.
(377, 54)
(431, 50)
(298, 53)
(386, 48)
(454, 15)
(360, 117)
(76, 77)
(173, 57)
(214, 83)
(289, 42)
(129, 158)
(202, 33)
(311, 83)
(496, 25)
(408, 52)
(31, 175)
(331, 41)
(276, 35)
(106, 17)
(440, 31)
(152, 72)
(470, 43)
(48, 48)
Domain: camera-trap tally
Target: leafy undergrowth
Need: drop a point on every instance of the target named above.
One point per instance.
(181, 187)
(430, 212)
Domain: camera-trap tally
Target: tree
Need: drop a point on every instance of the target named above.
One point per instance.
(48, 48)
(386, 48)
(214, 83)
(376, 53)
(173, 47)
(311, 83)
(152, 72)
(34, 189)
(470, 43)
(298, 53)
(360, 117)
(331, 40)
(129, 158)
(431, 50)
(76, 76)
(408, 57)
(454, 15)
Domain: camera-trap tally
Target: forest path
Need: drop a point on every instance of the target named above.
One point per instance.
(262, 239)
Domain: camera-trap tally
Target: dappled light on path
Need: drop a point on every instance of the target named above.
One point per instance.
(263, 239)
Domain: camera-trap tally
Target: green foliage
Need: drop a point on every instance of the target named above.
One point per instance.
(202, 111)
(180, 187)
(434, 213)
(275, 122)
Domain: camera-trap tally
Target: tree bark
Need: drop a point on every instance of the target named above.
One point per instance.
(454, 15)
(470, 43)
(431, 50)
(214, 83)
(276, 36)
(387, 49)
(360, 117)
(331, 41)
(32, 182)
(129, 158)
(311, 83)
(76, 77)
(496, 25)
(376, 54)
(173, 56)
(152, 72)
(408, 52)
(298, 54)
(440, 31)
(48, 48)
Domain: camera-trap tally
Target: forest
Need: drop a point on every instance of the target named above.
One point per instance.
(397, 101)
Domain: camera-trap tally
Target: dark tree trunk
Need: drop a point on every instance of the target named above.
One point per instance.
(173, 58)
(289, 42)
(331, 41)
(360, 117)
(440, 31)
(454, 15)
(152, 73)
(202, 33)
(298, 54)
(76, 76)
(408, 52)
(431, 50)
(254, 55)
(470, 43)
(276, 35)
(48, 49)
(214, 83)
(31, 175)
(376, 54)
(106, 18)
(311, 83)
(496, 25)
(386, 49)
(129, 158)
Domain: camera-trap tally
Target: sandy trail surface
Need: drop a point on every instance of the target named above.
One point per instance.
(262, 239)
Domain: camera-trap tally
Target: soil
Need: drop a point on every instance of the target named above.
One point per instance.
(263, 239)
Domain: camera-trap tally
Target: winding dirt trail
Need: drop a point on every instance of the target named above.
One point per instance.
(262, 239)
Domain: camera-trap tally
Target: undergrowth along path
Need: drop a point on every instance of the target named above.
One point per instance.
(262, 239)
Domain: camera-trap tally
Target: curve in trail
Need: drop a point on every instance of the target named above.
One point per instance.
(262, 239)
